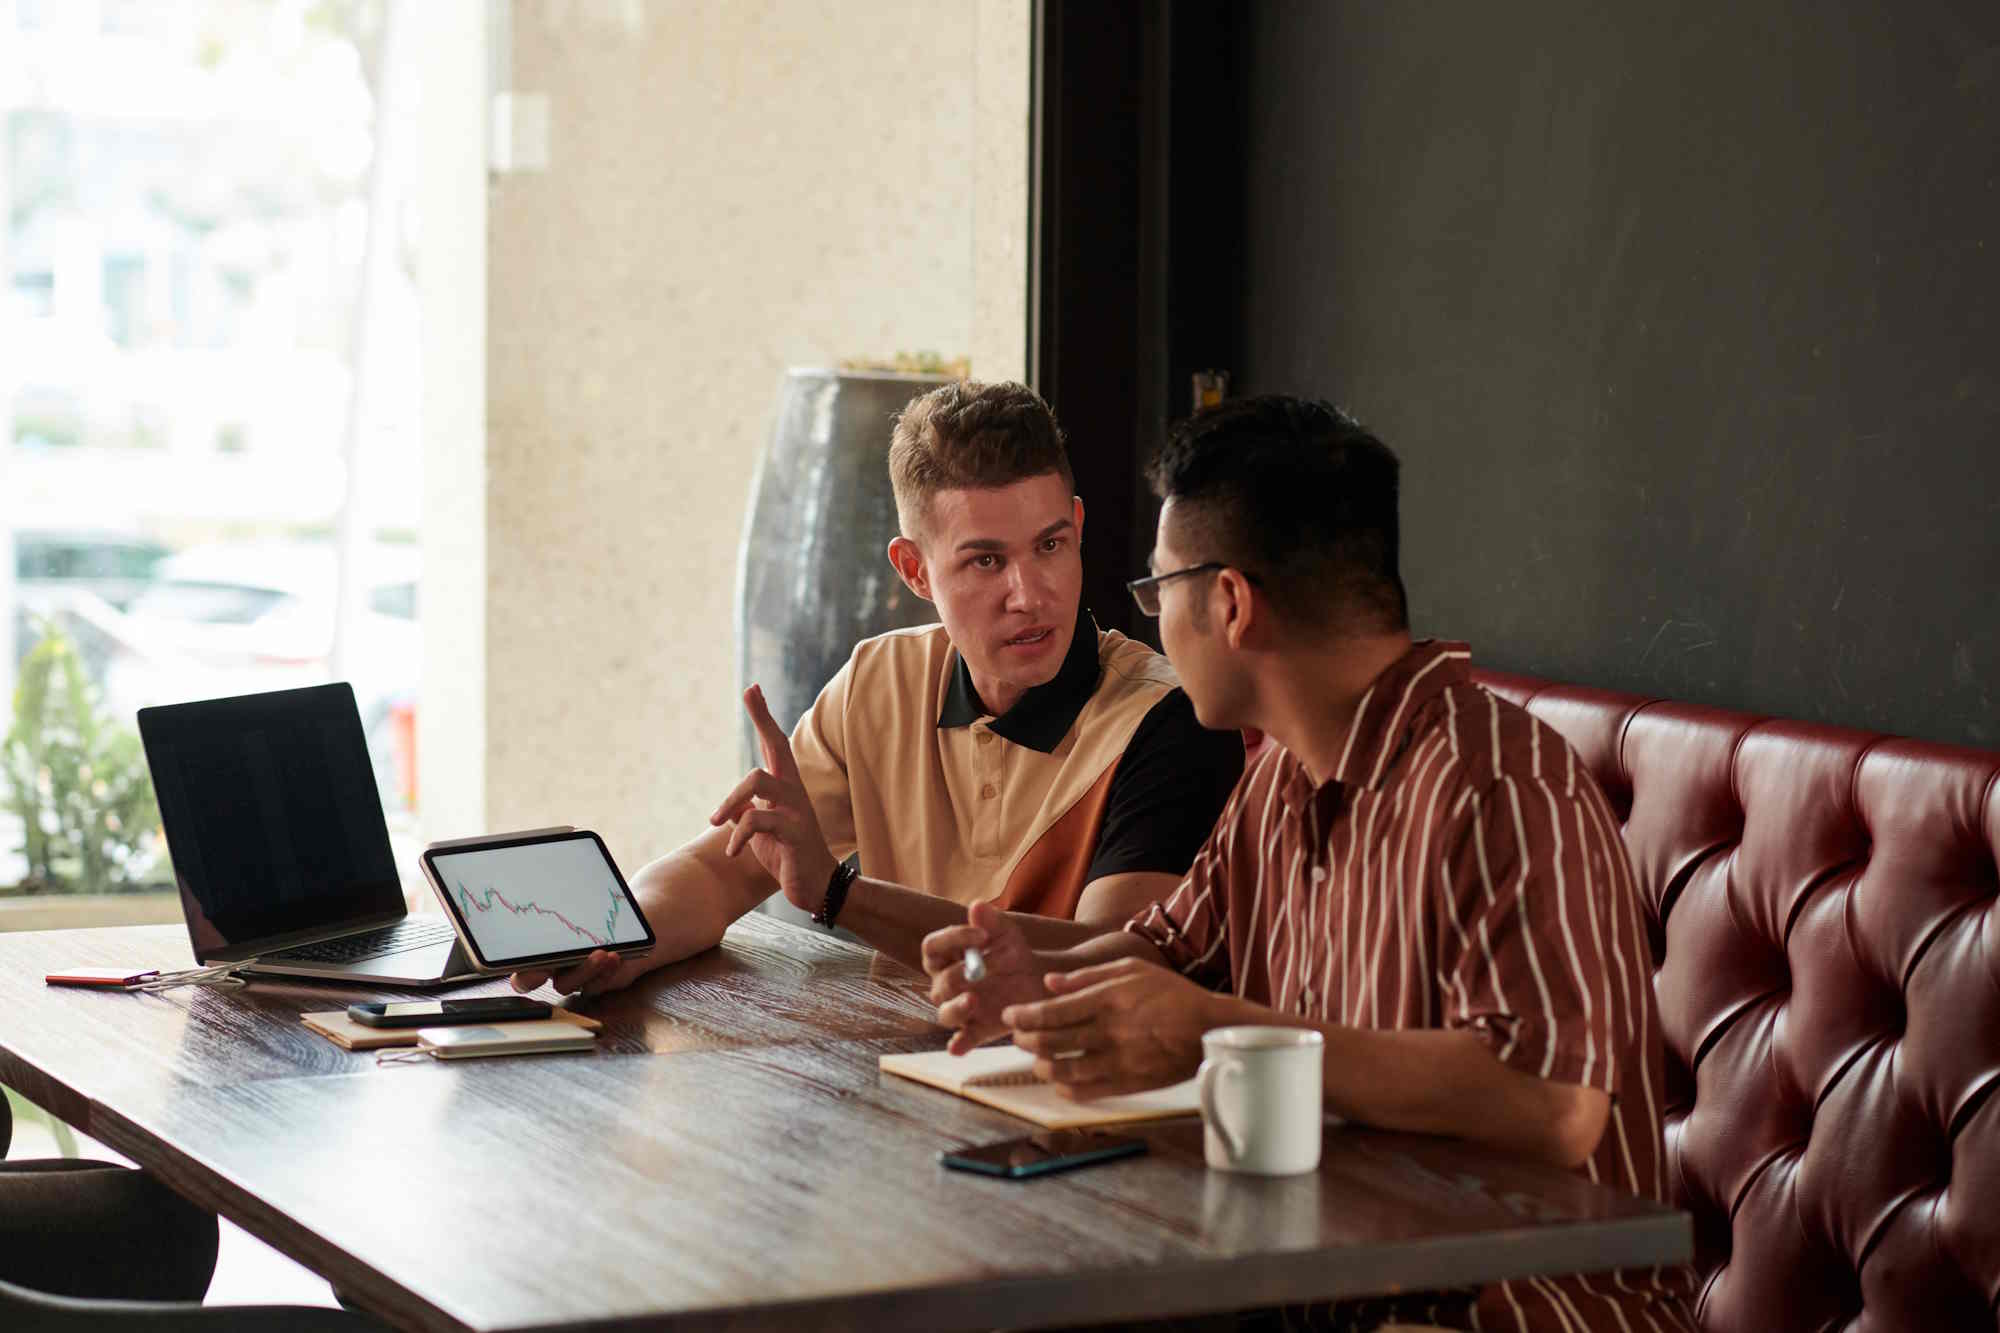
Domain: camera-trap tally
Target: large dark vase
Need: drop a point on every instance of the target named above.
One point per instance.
(814, 577)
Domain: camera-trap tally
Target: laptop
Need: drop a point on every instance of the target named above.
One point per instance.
(278, 843)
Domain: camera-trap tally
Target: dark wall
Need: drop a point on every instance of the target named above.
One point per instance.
(1136, 249)
(1090, 334)
(1681, 317)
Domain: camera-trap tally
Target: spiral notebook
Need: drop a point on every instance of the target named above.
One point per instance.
(1003, 1077)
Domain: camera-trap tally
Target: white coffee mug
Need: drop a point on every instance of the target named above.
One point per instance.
(1260, 1099)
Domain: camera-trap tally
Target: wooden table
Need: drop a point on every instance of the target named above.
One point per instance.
(730, 1158)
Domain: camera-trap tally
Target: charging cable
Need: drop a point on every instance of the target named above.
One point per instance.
(224, 974)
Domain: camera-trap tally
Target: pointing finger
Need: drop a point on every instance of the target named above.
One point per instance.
(771, 738)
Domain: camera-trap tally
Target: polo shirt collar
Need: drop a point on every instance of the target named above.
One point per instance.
(1389, 709)
(1044, 715)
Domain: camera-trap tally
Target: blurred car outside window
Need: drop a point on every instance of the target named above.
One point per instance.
(210, 304)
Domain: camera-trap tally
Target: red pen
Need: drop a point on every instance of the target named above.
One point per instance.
(111, 978)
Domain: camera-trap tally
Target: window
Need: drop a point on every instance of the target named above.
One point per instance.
(213, 291)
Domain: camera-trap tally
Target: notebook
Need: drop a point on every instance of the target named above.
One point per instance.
(1003, 1077)
(338, 1028)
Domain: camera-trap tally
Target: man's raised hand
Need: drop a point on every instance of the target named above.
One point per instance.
(773, 816)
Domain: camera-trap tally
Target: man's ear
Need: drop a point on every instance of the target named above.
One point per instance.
(1236, 608)
(907, 559)
(1076, 516)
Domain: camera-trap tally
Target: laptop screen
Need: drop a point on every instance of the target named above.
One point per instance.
(271, 813)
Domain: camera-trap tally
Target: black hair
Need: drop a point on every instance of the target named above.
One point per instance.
(1297, 493)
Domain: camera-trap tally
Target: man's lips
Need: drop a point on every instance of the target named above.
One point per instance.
(1033, 638)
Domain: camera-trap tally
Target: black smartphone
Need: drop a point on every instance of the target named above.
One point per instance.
(438, 1013)
(1039, 1154)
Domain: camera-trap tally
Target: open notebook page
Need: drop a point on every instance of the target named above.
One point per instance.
(1003, 1077)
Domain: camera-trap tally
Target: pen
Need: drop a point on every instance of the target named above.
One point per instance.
(975, 966)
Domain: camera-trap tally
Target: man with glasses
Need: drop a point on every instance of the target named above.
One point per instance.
(1146, 591)
(1418, 870)
(1014, 754)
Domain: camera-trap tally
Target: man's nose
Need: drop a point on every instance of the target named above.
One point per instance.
(1024, 590)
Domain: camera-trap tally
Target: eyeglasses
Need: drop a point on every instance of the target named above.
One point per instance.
(1146, 591)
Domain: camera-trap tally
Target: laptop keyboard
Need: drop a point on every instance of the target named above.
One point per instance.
(413, 932)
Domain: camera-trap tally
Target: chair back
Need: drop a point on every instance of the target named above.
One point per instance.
(1827, 965)
(25, 1311)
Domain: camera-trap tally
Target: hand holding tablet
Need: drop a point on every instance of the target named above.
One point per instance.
(536, 901)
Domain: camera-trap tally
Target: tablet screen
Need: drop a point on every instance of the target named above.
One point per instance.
(532, 900)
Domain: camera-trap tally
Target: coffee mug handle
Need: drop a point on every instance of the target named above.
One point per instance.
(1212, 1073)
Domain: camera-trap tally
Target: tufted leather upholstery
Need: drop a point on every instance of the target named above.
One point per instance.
(1827, 946)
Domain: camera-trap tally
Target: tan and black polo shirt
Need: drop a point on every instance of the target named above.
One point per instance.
(1101, 771)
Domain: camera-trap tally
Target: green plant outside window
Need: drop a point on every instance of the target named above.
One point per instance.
(77, 780)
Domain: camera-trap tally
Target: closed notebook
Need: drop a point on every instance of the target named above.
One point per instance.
(1003, 1077)
(338, 1028)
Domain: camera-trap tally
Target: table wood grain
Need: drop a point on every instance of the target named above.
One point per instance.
(730, 1158)
(770, 984)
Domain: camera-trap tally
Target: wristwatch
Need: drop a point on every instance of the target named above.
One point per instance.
(835, 898)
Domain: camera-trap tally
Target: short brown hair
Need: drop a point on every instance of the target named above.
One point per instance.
(966, 436)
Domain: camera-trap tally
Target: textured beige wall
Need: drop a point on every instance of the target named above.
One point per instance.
(451, 735)
(1000, 123)
(733, 188)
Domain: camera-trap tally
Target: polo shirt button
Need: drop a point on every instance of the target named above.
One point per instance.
(989, 791)
(1319, 874)
(1306, 1000)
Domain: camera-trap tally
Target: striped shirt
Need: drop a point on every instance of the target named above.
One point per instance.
(1459, 869)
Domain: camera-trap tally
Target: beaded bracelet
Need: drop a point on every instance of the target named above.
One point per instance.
(844, 875)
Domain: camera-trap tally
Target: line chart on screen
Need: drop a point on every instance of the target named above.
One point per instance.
(529, 899)
(490, 898)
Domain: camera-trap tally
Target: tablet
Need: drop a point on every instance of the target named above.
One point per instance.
(536, 900)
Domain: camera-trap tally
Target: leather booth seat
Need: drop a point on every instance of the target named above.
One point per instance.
(1827, 962)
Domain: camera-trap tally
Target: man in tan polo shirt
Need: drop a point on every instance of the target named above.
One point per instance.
(1420, 871)
(1013, 754)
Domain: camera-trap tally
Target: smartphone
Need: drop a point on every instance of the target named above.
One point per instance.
(437, 1013)
(1040, 1154)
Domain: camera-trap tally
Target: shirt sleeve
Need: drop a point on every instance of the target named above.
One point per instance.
(1191, 928)
(819, 747)
(1171, 783)
(1532, 900)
